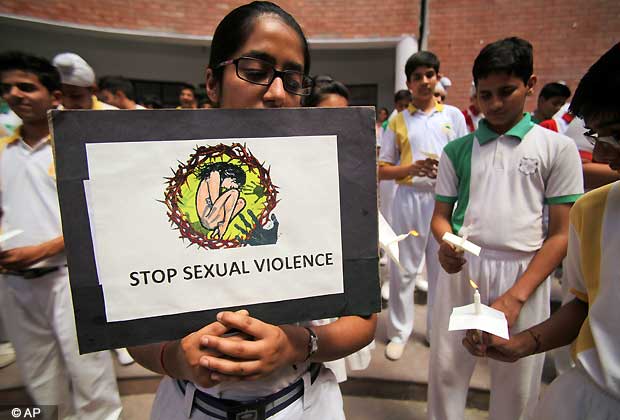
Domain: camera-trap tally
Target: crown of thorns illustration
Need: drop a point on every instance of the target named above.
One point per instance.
(201, 155)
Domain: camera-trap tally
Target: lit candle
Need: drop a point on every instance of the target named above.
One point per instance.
(405, 235)
(477, 305)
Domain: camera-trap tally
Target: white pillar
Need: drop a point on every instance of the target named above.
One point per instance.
(405, 49)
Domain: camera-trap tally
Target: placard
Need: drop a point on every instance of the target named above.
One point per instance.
(172, 216)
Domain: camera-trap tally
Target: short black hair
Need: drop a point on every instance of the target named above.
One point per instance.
(421, 59)
(324, 85)
(152, 101)
(225, 169)
(599, 89)
(512, 56)
(236, 27)
(116, 83)
(553, 89)
(189, 87)
(403, 94)
(39, 66)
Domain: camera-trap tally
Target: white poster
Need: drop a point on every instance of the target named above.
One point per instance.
(182, 226)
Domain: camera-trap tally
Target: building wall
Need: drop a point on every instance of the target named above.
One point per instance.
(319, 18)
(568, 36)
(187, 63)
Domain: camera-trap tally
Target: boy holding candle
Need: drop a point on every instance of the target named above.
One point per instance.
(499, 177)
(409, 151)
(591, 321)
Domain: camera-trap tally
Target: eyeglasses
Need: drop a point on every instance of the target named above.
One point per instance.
(594, 139)
(5, 88)
(261, 72)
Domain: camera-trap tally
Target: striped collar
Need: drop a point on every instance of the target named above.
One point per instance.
(484, 134)
(97, 105)
(412, 109)
(17, 135)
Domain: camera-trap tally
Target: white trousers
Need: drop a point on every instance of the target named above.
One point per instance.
(573, 396)
(42, 328)
(514, 386)
(411, 209)
(386, 198)
(321, 400)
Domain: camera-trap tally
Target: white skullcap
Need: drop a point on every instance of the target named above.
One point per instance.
(472, 90)
(74, 70)
(445, 82)
(440, 89)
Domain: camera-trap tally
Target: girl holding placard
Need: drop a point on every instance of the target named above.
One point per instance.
(259, 59)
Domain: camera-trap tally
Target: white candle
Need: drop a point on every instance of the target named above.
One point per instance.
(477, 305)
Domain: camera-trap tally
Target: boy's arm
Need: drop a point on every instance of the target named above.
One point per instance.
(451, 260)
(26, 256)
(418, 168)
(446, 195)
(548, 257)
(563, 326)
(559, 330)
(389, 156)
(598, 174)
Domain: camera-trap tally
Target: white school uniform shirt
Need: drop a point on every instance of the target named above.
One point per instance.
(29, 198)
(412, 132)
(592, 268)
(500, 183)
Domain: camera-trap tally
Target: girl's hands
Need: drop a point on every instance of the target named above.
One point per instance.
(186, 358)
(260, 350)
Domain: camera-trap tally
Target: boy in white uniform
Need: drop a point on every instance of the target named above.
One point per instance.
(500, 177)
(34, 286)
(410, 148)
(590, 390)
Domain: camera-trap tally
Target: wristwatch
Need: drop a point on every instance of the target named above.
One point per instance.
(313, 342)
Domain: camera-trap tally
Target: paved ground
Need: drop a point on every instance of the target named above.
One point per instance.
(386, 390)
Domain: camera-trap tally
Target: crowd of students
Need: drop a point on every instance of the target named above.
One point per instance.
(505, 178)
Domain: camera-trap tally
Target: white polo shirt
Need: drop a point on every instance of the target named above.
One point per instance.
(501, 183)
(29, 198)
(413, 131)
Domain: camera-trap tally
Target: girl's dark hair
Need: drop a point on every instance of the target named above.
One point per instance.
(513, 56)
(226, 170)
(236, 27)
(324, 85)
(599, 89)
(40, 67)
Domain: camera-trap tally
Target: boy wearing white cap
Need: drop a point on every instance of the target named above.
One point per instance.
(35, 299)
(78, 83)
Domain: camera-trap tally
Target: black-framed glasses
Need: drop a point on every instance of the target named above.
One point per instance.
(261, 72)
(594, 138)
(5, 88)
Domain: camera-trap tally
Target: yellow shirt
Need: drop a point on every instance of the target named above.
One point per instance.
(593, 273)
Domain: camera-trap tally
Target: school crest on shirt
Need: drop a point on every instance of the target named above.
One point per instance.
(222, 197)
(528, 166)
(446, 128)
